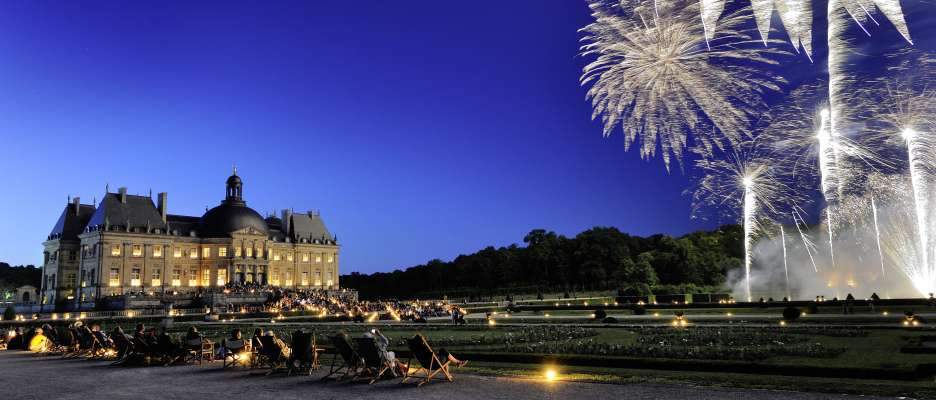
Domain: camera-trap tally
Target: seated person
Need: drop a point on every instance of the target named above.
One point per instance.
(255, 343)
(39, 342)
(16, 342)
(382, 344)
(284, 349)
(102, 337)
(238, 345)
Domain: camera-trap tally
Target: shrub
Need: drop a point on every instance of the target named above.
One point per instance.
(9, 314)
(610, 320)
(600, 313)
(791, 313)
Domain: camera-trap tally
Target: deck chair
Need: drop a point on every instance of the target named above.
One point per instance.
(375, 365)
(85, 341)
(304, 356)
(124, 345)
(274, 354)
(233, 350)
(430, 363)
(198, 349)
(65, 342)
(350, 361)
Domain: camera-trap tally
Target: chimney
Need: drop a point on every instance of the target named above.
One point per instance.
(163, 197)
(76, 205)
(287, 220)
(123, 194)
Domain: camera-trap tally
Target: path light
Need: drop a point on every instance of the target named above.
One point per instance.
(551, 374)
(547, 315)
(727, 314)
(491, 322)
(884, 313)
(782, 323)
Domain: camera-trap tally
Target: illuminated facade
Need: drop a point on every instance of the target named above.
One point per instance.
(129, 244)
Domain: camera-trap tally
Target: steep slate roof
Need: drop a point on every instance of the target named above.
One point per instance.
(309, 226)
(70, 225)
(138, 210)
(182, 223)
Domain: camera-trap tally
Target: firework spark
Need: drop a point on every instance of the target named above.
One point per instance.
(748, 182)
(655, 75)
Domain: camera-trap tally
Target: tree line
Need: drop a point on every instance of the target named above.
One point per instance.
(600, 258)
(12, 277)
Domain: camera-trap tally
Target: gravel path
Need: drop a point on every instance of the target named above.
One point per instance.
(26, 376)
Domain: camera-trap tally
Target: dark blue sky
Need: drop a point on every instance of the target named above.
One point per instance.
(420, 129)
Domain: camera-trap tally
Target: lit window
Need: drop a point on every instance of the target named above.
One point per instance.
(193, 253)
(157, 278)
(331, 258)
(206, 277)
(288, 278)
(318, 278)
(276, 256)
(115, 250)
(177, 252)
(135, 277)
(249, 251)
(222, 276)
(289, 256)
(176, 277)
(237, 251)
(137, 250)
(305, 278)
(269, 253)
(318, 258)
(193, 277)
(206, 252)
(157, 251)
(114, 278)
(222, 251)
(305, 257)
(274, 277)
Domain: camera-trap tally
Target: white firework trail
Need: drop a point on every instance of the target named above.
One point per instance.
(786, 268)
(807, 242)
(877, 237)
(749, 182)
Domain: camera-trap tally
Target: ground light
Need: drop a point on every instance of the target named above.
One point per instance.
(551, 374)
(491, 322)
(782, 323)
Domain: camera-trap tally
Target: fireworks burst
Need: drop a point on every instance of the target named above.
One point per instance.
(748, 182)
(797, 16)
(655, 75)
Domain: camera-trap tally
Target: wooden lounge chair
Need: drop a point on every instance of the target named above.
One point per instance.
(350, 361)
(430, 363)
(274, 353)
(234, 350)
(304, 356)
(375, 365)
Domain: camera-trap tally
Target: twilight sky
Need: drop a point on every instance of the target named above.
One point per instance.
(420, 129)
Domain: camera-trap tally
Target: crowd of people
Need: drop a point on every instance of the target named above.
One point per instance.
(346, 303)
(157, 346)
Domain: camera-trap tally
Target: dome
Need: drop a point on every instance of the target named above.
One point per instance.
(227, 218)
(232, 215)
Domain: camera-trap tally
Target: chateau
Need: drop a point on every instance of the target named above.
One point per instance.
(127, 244)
